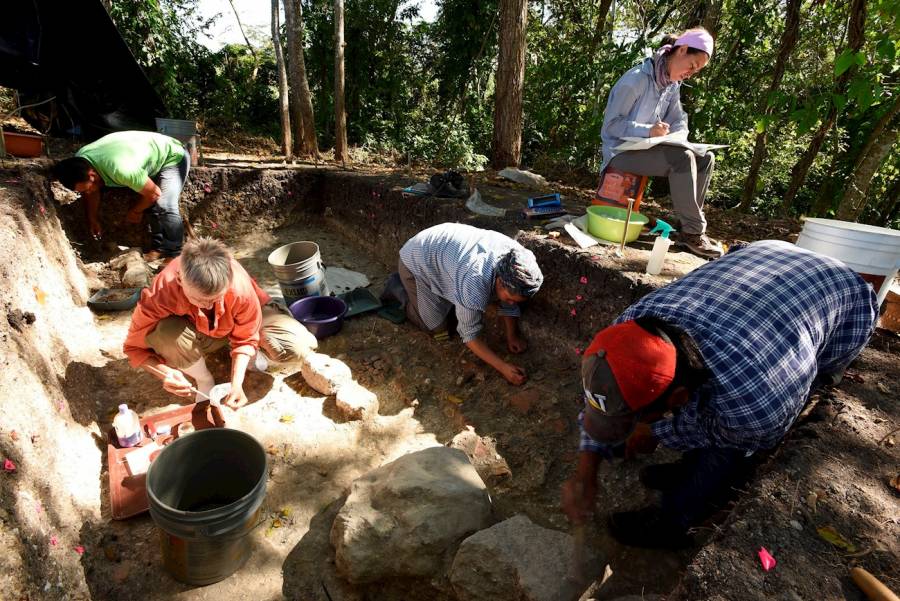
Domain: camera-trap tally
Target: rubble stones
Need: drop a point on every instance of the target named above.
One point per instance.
(482, 452)
(405, 518)
(323, 373)
(515, 559)
(355, 402)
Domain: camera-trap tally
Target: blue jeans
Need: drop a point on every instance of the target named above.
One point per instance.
(164, 216)
(709, 475)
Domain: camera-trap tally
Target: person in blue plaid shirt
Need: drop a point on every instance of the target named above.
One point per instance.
(456, 267)
(719, 365)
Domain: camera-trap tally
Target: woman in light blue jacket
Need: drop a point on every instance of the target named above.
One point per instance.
(646, 102)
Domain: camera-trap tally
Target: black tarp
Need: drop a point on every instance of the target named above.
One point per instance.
(72, 50)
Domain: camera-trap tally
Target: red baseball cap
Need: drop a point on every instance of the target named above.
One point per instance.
(624, 370)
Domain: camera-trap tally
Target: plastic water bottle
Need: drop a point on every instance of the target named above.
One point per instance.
(660, 247)
(127, 426)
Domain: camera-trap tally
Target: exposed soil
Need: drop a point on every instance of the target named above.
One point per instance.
(64, 374)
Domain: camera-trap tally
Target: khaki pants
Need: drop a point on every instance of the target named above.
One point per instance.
(282, 338)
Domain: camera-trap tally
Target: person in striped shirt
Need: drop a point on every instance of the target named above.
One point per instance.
(458, 267)
(718, 365)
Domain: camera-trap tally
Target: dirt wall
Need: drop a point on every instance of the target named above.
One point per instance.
(45, 327)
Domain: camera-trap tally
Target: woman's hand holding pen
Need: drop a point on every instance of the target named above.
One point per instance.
(660, 128)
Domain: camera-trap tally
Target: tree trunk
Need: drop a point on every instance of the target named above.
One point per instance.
(283, 94)
(301, 101)
(855, 39)
(788, 41)
(250, 47)
(882, 138)
(507, 142)
(706, 14)
(340, 116)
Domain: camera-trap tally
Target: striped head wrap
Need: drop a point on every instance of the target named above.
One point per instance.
(519, 272)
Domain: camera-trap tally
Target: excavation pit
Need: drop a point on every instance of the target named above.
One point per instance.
(69, 366)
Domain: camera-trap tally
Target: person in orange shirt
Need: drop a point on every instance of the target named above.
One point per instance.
(202, 301)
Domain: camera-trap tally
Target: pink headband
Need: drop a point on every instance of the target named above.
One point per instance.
(699, 39)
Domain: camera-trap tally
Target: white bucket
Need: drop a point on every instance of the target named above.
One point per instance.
(873, 252)
(299, 270)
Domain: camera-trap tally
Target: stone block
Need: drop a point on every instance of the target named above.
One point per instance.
(515, 559)
(406, 518)
(355, 402)
(323, 373)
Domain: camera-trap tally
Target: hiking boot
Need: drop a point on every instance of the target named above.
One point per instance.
(662, 476)
(647, 528)
(701, 245)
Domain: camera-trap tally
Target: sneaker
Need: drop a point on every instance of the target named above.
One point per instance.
(701, 245)
(662, 476)
(647, 528)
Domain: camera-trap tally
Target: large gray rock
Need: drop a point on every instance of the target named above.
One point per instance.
(402, 519)
(515, 560)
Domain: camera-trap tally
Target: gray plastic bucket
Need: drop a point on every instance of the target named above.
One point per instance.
(206, 492)
(299, 270)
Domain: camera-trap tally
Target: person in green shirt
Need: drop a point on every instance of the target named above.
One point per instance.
(153, 165)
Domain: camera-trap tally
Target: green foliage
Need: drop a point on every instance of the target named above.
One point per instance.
(424, 92)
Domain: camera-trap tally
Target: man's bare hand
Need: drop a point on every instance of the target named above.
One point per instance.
(236, 398)
(176, 383)
(513, 373)
(516, 344)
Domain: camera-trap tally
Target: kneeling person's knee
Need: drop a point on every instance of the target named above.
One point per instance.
(283, 338)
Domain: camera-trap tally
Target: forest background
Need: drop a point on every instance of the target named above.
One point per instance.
(806, 94)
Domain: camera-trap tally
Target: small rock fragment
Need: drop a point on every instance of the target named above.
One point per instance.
(482, 452)
(355, 402)
(325, 374)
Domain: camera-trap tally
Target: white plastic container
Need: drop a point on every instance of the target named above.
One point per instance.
(128, 427)
(658, 255)
(873, 252)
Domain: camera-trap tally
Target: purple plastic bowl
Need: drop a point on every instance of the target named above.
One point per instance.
(322, 315)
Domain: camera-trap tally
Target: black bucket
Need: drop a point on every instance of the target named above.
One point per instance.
(206, 491)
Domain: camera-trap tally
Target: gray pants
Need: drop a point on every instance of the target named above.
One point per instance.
(164, 216)
(688, 176)
(412, 303)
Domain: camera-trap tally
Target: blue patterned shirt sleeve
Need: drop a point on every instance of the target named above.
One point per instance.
(588, 444)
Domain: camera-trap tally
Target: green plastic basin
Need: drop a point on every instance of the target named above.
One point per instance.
(607, 223)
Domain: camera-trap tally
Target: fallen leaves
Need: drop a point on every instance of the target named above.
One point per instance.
(811, 500)
(8, 465)
(583, 279)
(829, 534)
(79, 549)
(883, 387)
(287, 418)
(455, 399)
(40, 295)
